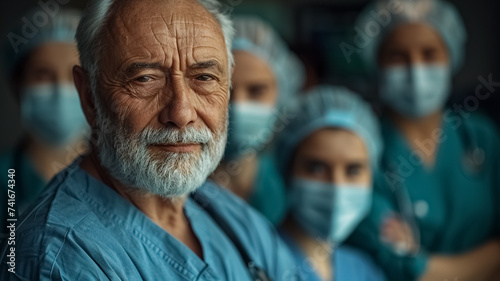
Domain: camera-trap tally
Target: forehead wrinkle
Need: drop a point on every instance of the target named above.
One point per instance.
(168, 34)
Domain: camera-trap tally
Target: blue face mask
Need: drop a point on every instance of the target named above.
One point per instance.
(52, 113)
(249, 128)
(328, 211)
(415, 91)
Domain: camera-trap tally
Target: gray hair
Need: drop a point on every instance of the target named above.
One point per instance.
(95, 17)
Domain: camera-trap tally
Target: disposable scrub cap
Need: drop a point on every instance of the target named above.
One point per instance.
(440, 15)
(36, 28)
(328, 107)
(258, 38)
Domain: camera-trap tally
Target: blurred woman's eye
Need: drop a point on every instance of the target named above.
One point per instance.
(354, 170)
(397, 56)
(257, 92)
(41, 75)
(316, 168)
(430, 55)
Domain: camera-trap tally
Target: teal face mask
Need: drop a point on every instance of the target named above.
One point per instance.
(52, 113)
(249, 128)
(415, 91)
(328, 211)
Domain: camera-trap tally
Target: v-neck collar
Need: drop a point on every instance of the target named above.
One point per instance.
(110, 204)
(396, 145)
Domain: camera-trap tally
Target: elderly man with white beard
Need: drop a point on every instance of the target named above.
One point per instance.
(154, 86)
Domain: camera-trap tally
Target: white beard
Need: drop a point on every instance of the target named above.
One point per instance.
(165, 174)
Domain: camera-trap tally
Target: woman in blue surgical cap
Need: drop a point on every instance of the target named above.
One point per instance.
(265, 75)
(435, 213)
(327, 155)
(38, 60)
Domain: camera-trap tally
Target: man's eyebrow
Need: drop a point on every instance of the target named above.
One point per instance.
(134, 67)
(208, 64)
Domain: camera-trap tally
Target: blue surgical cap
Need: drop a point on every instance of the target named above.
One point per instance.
(36, 28)
(442, 16)
(327, 107)
(258, 38)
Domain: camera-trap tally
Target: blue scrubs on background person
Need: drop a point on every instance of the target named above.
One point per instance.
(326, 155)
(266, 74)
(93, 226)
(39, 72)
(436, 195)
(348, 263)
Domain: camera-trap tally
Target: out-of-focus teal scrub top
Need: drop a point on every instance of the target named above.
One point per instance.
(268, 195)
(454, 204)
(81, 229)
(348, 263)
(28, 182)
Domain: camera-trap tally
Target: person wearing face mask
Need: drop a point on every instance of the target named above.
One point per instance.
(39, 70)
(435, 213)
(327, 155)
(266, 74)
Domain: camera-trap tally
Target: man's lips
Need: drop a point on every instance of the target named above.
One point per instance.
(179, 147)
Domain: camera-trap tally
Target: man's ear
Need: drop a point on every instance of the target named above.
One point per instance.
(82, 83)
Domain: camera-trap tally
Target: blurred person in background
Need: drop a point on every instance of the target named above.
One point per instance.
(435, 211)
(266, 74)
(327, 155)
(39, 70)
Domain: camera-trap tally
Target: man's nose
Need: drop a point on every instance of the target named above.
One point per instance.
(179, 110)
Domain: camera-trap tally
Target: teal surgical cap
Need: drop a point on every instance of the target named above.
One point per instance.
(258, 38)
(36, 28)
(381, 16)
(327, 107)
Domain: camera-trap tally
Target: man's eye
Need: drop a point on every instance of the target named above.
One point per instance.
(205, 77)
(144, 79)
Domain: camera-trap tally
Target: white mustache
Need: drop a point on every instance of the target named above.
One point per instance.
(169, 135)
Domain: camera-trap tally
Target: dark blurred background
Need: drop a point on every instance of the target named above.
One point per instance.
(314, 29)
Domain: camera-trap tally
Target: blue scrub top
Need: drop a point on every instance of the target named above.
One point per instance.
(80, 229)
(349, 264)
(28, 183)
(454, 204)
(268, 195)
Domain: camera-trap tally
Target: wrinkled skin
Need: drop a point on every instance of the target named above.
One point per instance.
(178, 77)
(164, 64)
